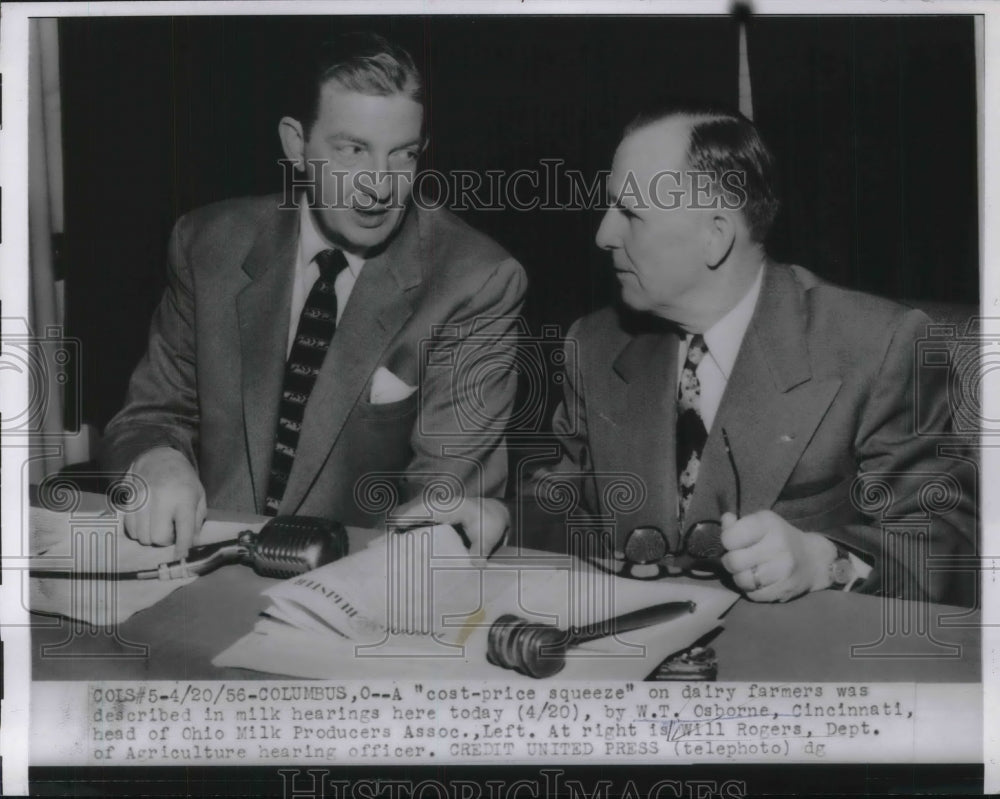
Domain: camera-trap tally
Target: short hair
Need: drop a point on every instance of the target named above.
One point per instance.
(363, 62)
(720, 141)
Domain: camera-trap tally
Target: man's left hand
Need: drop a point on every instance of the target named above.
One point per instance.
(772, 561)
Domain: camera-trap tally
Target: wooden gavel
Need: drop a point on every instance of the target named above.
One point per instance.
(539, 650)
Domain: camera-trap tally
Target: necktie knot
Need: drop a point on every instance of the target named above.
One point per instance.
(696, 349)
(330, 263)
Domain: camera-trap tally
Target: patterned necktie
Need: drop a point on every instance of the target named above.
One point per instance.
(317, 324)
(691, 433)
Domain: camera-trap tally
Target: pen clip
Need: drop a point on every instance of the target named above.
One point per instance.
(407, 524)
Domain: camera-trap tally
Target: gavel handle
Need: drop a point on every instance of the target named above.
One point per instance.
(637, 619)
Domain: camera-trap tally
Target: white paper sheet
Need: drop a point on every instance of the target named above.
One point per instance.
(466, 599)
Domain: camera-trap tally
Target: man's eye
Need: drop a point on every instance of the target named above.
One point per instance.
(348, 150)
(405, 157)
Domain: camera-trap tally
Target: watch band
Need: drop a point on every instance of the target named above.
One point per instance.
(842, 572)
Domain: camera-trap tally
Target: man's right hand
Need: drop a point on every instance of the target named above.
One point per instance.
(175, 505)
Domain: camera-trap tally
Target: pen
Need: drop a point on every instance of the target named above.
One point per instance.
(637, 619)
(406, 525)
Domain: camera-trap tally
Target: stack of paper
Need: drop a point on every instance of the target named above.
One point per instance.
(415, 605)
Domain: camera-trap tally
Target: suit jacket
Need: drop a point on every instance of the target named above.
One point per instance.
(820, 413)
(437, 307)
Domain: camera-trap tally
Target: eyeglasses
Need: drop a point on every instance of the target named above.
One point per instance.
(649, 553)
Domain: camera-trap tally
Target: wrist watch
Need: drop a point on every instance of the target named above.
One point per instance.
(842, 569)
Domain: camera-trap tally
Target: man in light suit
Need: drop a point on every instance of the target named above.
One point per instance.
(242, 402)
(813, 386)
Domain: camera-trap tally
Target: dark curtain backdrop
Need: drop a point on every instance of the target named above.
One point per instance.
(873, 122)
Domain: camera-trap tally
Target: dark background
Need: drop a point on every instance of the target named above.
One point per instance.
(873, 121)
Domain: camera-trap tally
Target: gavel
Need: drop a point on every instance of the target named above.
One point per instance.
(285, 547)
(539, 650)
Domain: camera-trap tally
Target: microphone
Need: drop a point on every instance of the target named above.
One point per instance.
(539, 650)
(285, 547)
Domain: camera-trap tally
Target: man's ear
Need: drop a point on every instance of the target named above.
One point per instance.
(293, 141)
(720, 235)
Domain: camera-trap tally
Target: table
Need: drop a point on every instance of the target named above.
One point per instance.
(827, 636)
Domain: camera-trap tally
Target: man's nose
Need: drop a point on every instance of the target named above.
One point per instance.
(607, 235)
(377, 182)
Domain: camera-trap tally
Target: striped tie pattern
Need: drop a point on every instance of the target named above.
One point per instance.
(317, 324)
(691, 433)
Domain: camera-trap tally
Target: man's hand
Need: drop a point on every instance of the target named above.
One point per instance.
(486, 521)
(175, 508)
(771, 560)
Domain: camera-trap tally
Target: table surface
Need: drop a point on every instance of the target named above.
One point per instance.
(829, 636)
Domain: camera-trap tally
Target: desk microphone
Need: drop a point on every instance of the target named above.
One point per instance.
(539, 650)
(285, 547)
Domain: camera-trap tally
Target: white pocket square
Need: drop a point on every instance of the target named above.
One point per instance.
(386, 388)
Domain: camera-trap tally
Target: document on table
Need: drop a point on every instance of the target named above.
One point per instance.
(418, 597)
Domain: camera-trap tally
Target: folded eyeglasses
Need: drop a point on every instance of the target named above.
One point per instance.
(649, 553)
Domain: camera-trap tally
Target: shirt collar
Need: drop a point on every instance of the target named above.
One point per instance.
(724, 338)
(312, 243)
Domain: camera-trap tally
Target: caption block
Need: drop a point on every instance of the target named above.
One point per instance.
(178, 723)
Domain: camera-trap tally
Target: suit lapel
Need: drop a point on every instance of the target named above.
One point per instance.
(771, 406)
(262, 309)
(645, 411)
(378, 308)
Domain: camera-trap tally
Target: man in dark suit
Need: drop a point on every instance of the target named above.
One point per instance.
(307, 357)
(725, 366)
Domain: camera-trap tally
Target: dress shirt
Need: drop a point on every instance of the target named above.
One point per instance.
(723, 340)
(311, 243)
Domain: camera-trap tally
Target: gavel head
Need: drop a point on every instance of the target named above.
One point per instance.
(537, 650)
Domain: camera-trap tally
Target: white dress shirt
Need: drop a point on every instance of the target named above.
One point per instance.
(311, 243)
(723, 340)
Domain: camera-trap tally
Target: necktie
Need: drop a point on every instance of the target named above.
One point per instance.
(691, 433)
(317, 324)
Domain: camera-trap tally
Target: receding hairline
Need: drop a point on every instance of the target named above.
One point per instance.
(647, 147)
(378, 81)
(721, 140)
(407, 90)
(688, 119)
(364, 63)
